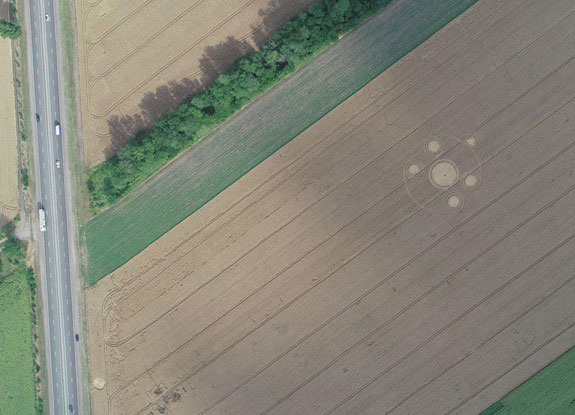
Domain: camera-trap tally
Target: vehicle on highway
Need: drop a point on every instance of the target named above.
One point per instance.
(58, 128)
(42, 219)
(58, 164)
(47, 17)
(71, 408)
(37, 117)
(77, 337)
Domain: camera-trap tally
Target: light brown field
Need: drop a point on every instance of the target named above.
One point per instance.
(140, 58)
(336, 278)
(8, 137)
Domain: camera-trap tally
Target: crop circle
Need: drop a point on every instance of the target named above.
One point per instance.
(443, 173)
(433, 146)
(453, 201)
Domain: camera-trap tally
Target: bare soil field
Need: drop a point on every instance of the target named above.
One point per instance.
(8, 137)
(176, 46)
(410, 253)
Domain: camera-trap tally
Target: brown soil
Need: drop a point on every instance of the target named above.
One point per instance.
(330, 279)
(140, 58)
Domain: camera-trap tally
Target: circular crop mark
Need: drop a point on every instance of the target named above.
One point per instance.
(470, 180)
(471, 141)
(433, 146)
(413, 169)
(443, 174)
(453, 201)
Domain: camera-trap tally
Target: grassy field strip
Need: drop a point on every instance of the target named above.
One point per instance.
(549, 392)
(249, 138)
(17, 380)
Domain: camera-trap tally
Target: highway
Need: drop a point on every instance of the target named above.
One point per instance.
(63, 385)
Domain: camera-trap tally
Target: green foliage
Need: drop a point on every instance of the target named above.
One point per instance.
(10, 30)
(549, 392)
(16, 360)
(493, 409)
(24, 175)
(291, 46)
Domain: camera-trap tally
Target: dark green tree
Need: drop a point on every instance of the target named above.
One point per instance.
(10, 30)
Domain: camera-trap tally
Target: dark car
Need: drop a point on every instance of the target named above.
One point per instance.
(71, 408)
(37, 117)
(77, 337)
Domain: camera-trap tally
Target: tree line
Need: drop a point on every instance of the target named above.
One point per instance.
(290, 47)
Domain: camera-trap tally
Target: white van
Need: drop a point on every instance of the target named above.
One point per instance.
(58, 128)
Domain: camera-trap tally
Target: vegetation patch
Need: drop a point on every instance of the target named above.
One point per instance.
(290, 47)
(118, 234)
(551, 391)
(20, 384)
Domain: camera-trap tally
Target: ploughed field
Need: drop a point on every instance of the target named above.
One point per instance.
(141, 58)
(411, 252)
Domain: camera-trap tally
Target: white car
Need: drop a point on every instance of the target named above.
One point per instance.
(58, 128)
(58, 164)
(47, 17)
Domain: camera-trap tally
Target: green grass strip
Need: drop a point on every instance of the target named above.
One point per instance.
(551, 391)
(17, 394)
(217, 161)
(493, 409)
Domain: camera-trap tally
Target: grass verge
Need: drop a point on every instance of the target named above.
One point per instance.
(217, 161)
(550, 391)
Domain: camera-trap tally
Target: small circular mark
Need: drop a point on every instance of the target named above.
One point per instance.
(434, 146)
(470, 180)
(453, 201)
(413, 169)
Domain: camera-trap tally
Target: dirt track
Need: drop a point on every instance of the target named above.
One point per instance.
(176, 45)
(332, 280)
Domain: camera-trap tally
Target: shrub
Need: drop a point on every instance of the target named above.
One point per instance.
(10, 30)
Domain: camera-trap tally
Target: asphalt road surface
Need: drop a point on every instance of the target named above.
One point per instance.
(60, 335)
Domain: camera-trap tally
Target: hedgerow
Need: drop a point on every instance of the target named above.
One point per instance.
(289, 48)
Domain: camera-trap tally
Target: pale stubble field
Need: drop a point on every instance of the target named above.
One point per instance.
(8, 137)
(348, 273)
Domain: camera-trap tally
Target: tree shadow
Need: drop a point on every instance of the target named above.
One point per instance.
(155, 105)
(215, 60)
(275, 15)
